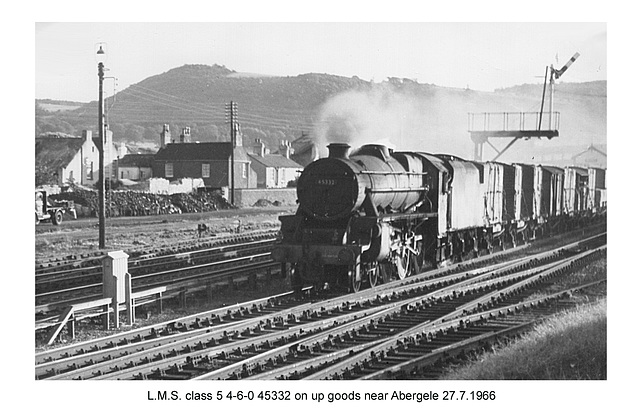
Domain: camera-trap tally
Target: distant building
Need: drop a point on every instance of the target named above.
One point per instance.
(209, 161)
(274, 170)
(592, 157)
(305, 150)
(138, 167)
(75, 160)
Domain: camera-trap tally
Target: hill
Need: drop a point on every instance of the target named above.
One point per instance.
(407, 114)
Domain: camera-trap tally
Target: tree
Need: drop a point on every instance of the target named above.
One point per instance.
(151, 133)
(52, 125)
(209, 133)
(118, 130)
(134, 133)
(45, 175)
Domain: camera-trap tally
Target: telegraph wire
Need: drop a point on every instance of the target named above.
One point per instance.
(160, 101)
(212, 114)
(177, 101)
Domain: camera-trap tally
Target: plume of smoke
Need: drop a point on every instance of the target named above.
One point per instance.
(413, 117)
(363, 117)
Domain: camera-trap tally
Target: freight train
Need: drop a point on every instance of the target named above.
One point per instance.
(375, 215)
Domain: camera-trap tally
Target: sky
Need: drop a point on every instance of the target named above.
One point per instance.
(481, 56)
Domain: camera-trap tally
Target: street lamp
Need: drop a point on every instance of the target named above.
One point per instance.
(101, 58)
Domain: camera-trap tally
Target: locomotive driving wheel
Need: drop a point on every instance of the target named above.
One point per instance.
(403, 260)
(354, 281)
(373, 273)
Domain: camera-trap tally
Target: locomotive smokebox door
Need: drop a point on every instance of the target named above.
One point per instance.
(114, 268)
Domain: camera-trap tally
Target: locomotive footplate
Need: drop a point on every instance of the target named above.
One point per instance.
(317, 254)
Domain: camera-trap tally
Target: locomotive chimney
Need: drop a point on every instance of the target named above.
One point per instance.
(338, 150)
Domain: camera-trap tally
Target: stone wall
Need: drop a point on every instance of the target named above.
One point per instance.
(265, 196)
(181, 186)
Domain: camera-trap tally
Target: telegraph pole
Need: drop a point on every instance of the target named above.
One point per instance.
(101, 199)
(232, 109)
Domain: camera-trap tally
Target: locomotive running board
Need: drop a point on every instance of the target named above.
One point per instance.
(410, 216)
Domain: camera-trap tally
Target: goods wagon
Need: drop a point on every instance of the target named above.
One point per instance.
(597, 194)
(576, 190)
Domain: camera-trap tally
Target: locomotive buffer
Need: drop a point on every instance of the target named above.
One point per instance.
(517, 125)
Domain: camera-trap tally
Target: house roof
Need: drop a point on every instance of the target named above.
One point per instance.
(137, 160)
(56, 152)
(141, 150)
(274, 161)
(303, 144)
(199, 152)
(590, 149)
(305, 150)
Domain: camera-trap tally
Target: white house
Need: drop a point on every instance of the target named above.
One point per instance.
(75, 160)
(274, 170)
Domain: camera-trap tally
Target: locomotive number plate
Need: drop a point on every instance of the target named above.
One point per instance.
(326, 182)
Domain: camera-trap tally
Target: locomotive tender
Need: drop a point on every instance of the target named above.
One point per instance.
(375, 215)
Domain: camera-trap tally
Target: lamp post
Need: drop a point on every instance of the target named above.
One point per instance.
(101, 58)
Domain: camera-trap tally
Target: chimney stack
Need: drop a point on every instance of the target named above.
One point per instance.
(88, 135)
(259, 148)
(285, 149)
(165, 136)
(185, 137)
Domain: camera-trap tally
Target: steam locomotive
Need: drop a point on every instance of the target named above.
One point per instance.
(375, 215)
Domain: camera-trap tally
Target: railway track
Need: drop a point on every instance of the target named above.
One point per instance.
(153, 269)
(421, 357)
(146, 260)
(208, 319)
(90, 352)
(299, 339)
(414, 353)
(343, 353)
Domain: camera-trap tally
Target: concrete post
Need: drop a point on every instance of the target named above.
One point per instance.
(115, 268)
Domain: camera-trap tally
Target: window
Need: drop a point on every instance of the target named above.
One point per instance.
(90, 171)
(245, 169)
(206, 170)
(168, 170)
